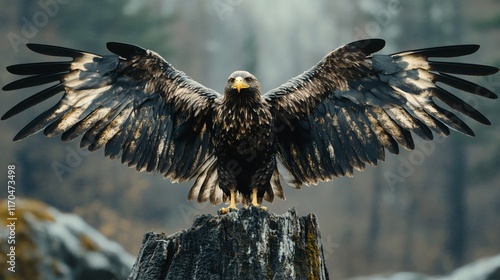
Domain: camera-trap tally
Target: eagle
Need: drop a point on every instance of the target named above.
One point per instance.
(332, 119)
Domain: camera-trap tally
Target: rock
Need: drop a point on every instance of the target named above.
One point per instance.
(245, 244)
(482, 269)
(53, 245)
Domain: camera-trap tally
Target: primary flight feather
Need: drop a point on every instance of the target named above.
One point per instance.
(338, 116)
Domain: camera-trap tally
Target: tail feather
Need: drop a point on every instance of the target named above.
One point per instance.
(207, 180)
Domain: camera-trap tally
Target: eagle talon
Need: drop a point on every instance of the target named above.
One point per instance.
(255, 202)
(263, 208)
(232, 204)
(225, 210)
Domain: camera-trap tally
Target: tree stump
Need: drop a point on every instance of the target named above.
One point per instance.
(246, 244)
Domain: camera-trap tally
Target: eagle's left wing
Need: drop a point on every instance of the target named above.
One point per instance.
(133, 102)
(343, 112)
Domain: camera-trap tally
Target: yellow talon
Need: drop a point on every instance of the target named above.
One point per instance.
(255, 202)
(254, 198)
(232, 204)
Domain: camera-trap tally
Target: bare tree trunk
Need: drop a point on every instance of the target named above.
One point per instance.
(456, 223)
(247, 244)
(448, 28)
(374, 227)
(456, 244)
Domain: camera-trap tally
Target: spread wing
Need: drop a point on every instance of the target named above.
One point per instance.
(342, 113)
(134, 103)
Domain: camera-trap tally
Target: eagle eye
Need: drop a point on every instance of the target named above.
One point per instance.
(248, 79)
(231, 80)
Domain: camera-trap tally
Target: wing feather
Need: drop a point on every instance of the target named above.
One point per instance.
(39, 68)
(458, 104)
(356, 104)
(34, 100)
(383, 136)
(131, 102)
(464, 85)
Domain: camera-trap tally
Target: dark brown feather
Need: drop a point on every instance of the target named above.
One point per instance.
(370, 102)
(131, 104)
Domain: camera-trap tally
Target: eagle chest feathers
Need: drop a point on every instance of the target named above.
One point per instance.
(244, 131)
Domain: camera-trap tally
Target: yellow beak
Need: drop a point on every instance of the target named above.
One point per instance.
(239, 83)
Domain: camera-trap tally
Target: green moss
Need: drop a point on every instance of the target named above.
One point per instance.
(312, 255)
(298, 259)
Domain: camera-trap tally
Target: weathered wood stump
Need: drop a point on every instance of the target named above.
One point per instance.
(245, 244)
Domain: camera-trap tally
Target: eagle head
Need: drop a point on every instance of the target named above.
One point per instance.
(242, 83)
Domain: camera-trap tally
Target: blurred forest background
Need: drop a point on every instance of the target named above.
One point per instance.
(429, 210)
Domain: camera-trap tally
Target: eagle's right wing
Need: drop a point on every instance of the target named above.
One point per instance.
(353, 104)
(134, 103)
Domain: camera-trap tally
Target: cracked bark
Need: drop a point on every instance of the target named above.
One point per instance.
(245, 244)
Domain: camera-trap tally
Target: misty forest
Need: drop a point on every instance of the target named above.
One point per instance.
(429, 210)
